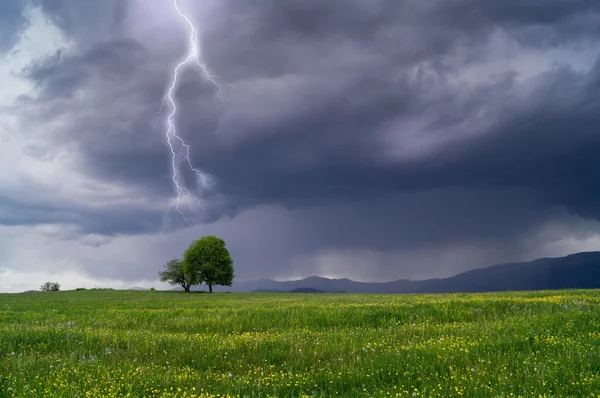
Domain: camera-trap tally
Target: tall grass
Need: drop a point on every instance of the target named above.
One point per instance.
(135, 343)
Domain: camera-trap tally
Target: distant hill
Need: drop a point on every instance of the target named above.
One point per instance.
(576, 271)
(298, 290)
(310, 290)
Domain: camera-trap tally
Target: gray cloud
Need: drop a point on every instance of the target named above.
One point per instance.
(12, 23)
(330, 140)
(385, 126)
(86, 20)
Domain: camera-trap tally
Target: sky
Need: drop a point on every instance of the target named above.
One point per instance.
(373, 140)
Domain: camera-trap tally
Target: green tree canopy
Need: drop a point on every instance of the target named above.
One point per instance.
(208, 261)
(174, 274)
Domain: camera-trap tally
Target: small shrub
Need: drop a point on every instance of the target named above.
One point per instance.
(50, 287)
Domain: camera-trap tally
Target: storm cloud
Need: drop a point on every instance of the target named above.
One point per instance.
(368, 139)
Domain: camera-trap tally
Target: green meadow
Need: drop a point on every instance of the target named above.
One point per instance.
(103, 343)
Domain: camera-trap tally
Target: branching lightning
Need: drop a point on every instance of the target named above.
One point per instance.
(203, 180)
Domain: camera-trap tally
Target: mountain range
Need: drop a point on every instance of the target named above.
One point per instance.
(576, 271)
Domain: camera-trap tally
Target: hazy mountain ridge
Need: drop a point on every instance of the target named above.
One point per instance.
(576, 271)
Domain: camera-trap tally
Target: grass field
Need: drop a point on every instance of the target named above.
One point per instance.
(151, 343)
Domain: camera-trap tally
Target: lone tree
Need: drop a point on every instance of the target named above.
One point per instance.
(208, 261)
(174, 274)
(50, 287)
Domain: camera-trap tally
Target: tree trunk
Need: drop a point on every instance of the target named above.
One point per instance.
(186, 288)
(210, 287)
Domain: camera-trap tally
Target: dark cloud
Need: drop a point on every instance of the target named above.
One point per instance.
(546, 144)
(371, 121)
(124, 219)
(538, 135)
(328, 144)
(109, 110)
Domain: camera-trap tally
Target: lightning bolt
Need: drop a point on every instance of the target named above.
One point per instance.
(203, 180)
